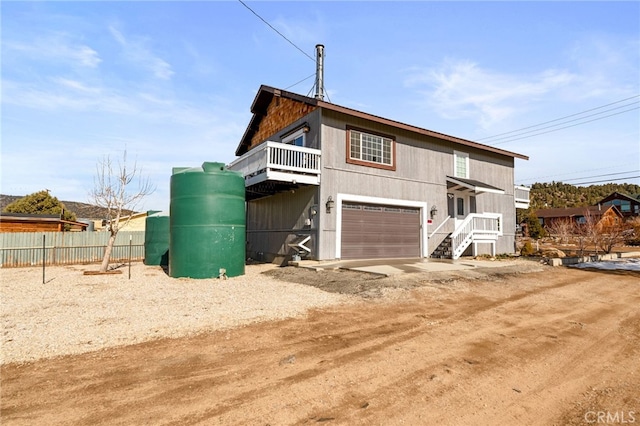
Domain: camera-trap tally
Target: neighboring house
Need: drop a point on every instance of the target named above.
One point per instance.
(137, 222)
(22, 222)
(329, 182)
(92, 215)
(627, 205)
(604, 216)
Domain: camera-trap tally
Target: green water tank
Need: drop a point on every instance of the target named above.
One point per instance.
(207, 222)
(156, 239)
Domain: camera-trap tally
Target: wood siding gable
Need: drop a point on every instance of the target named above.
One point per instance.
(280, 113)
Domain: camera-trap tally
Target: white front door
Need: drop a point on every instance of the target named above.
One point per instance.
(460, 205)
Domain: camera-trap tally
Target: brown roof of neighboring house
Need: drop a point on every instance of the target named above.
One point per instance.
(267, 93)
(81, 210)
(574, 211)
(39, 218)
(618, 195)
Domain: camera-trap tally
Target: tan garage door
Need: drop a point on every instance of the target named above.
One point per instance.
(372, 231)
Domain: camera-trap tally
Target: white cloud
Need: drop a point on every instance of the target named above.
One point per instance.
(56, 47)
(595, 68)
(65, 95)
(462, 89)
(136, 50)
(77, 85)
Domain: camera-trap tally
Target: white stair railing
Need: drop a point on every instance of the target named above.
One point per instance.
(475, 227)
(439, 226)
(429, 250)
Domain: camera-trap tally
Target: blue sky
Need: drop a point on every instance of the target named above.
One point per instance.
(173, 82)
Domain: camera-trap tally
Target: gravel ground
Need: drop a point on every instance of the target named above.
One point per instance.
(73, 313)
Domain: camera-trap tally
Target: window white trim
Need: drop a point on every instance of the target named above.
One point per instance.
(460, 156)
(290, 139)
(340, 198)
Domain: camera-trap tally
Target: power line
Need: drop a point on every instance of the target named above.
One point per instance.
(566, 127)
(608, 174)
(558, 119)
(606, 180)
(598, 181)
(279, 33)
(290, 42)
(565, 122)
(577, 171)
(295, 84)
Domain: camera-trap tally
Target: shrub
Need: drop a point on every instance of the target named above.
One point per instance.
(527, 249)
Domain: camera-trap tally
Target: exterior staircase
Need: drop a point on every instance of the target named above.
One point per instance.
(444, 249)
(475, 229)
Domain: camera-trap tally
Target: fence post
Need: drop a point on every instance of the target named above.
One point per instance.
(21, 249)
(130, 237)
(43, 256)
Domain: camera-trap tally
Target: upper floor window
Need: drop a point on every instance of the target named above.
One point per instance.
(461, 164)
(622, 205)
(369, 149)
(295, 138)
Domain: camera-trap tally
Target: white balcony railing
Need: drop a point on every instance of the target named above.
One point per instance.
(486, 227)
(279, 162)
(521, 195)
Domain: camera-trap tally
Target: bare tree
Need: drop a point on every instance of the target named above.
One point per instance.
(112, 191)
(593, 230)
(581, 237)
(614, 234)
(562, 229)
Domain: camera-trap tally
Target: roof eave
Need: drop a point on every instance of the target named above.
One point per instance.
(419, 130)
(266, 93)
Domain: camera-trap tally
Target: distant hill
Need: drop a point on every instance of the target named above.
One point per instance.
(82, 210)
(558, 194)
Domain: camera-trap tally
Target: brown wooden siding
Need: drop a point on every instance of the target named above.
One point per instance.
(280, 113)
(22, 226)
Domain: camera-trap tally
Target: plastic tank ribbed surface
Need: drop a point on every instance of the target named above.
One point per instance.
(156, 239)
(207, 222)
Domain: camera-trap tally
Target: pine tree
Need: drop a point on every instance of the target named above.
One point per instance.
(40, 202)
(558, 194)
(534, 228)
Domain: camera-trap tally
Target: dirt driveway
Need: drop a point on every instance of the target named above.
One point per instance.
(560, 346)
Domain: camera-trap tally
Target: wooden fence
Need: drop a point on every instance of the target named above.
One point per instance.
(67, 248)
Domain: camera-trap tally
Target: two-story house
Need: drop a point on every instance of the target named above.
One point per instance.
(328, 182)
(629, 206)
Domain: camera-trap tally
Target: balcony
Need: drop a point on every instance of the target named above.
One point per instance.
(273, 167)
(521, 195)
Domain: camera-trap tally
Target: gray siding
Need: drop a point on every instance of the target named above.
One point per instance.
(422, 164)
(275, 221)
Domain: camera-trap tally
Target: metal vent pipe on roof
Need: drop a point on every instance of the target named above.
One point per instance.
(319, 72)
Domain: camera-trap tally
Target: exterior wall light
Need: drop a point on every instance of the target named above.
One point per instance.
(330, 204)
(434, 211)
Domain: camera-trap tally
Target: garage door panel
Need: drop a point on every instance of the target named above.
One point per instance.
(375, 231)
